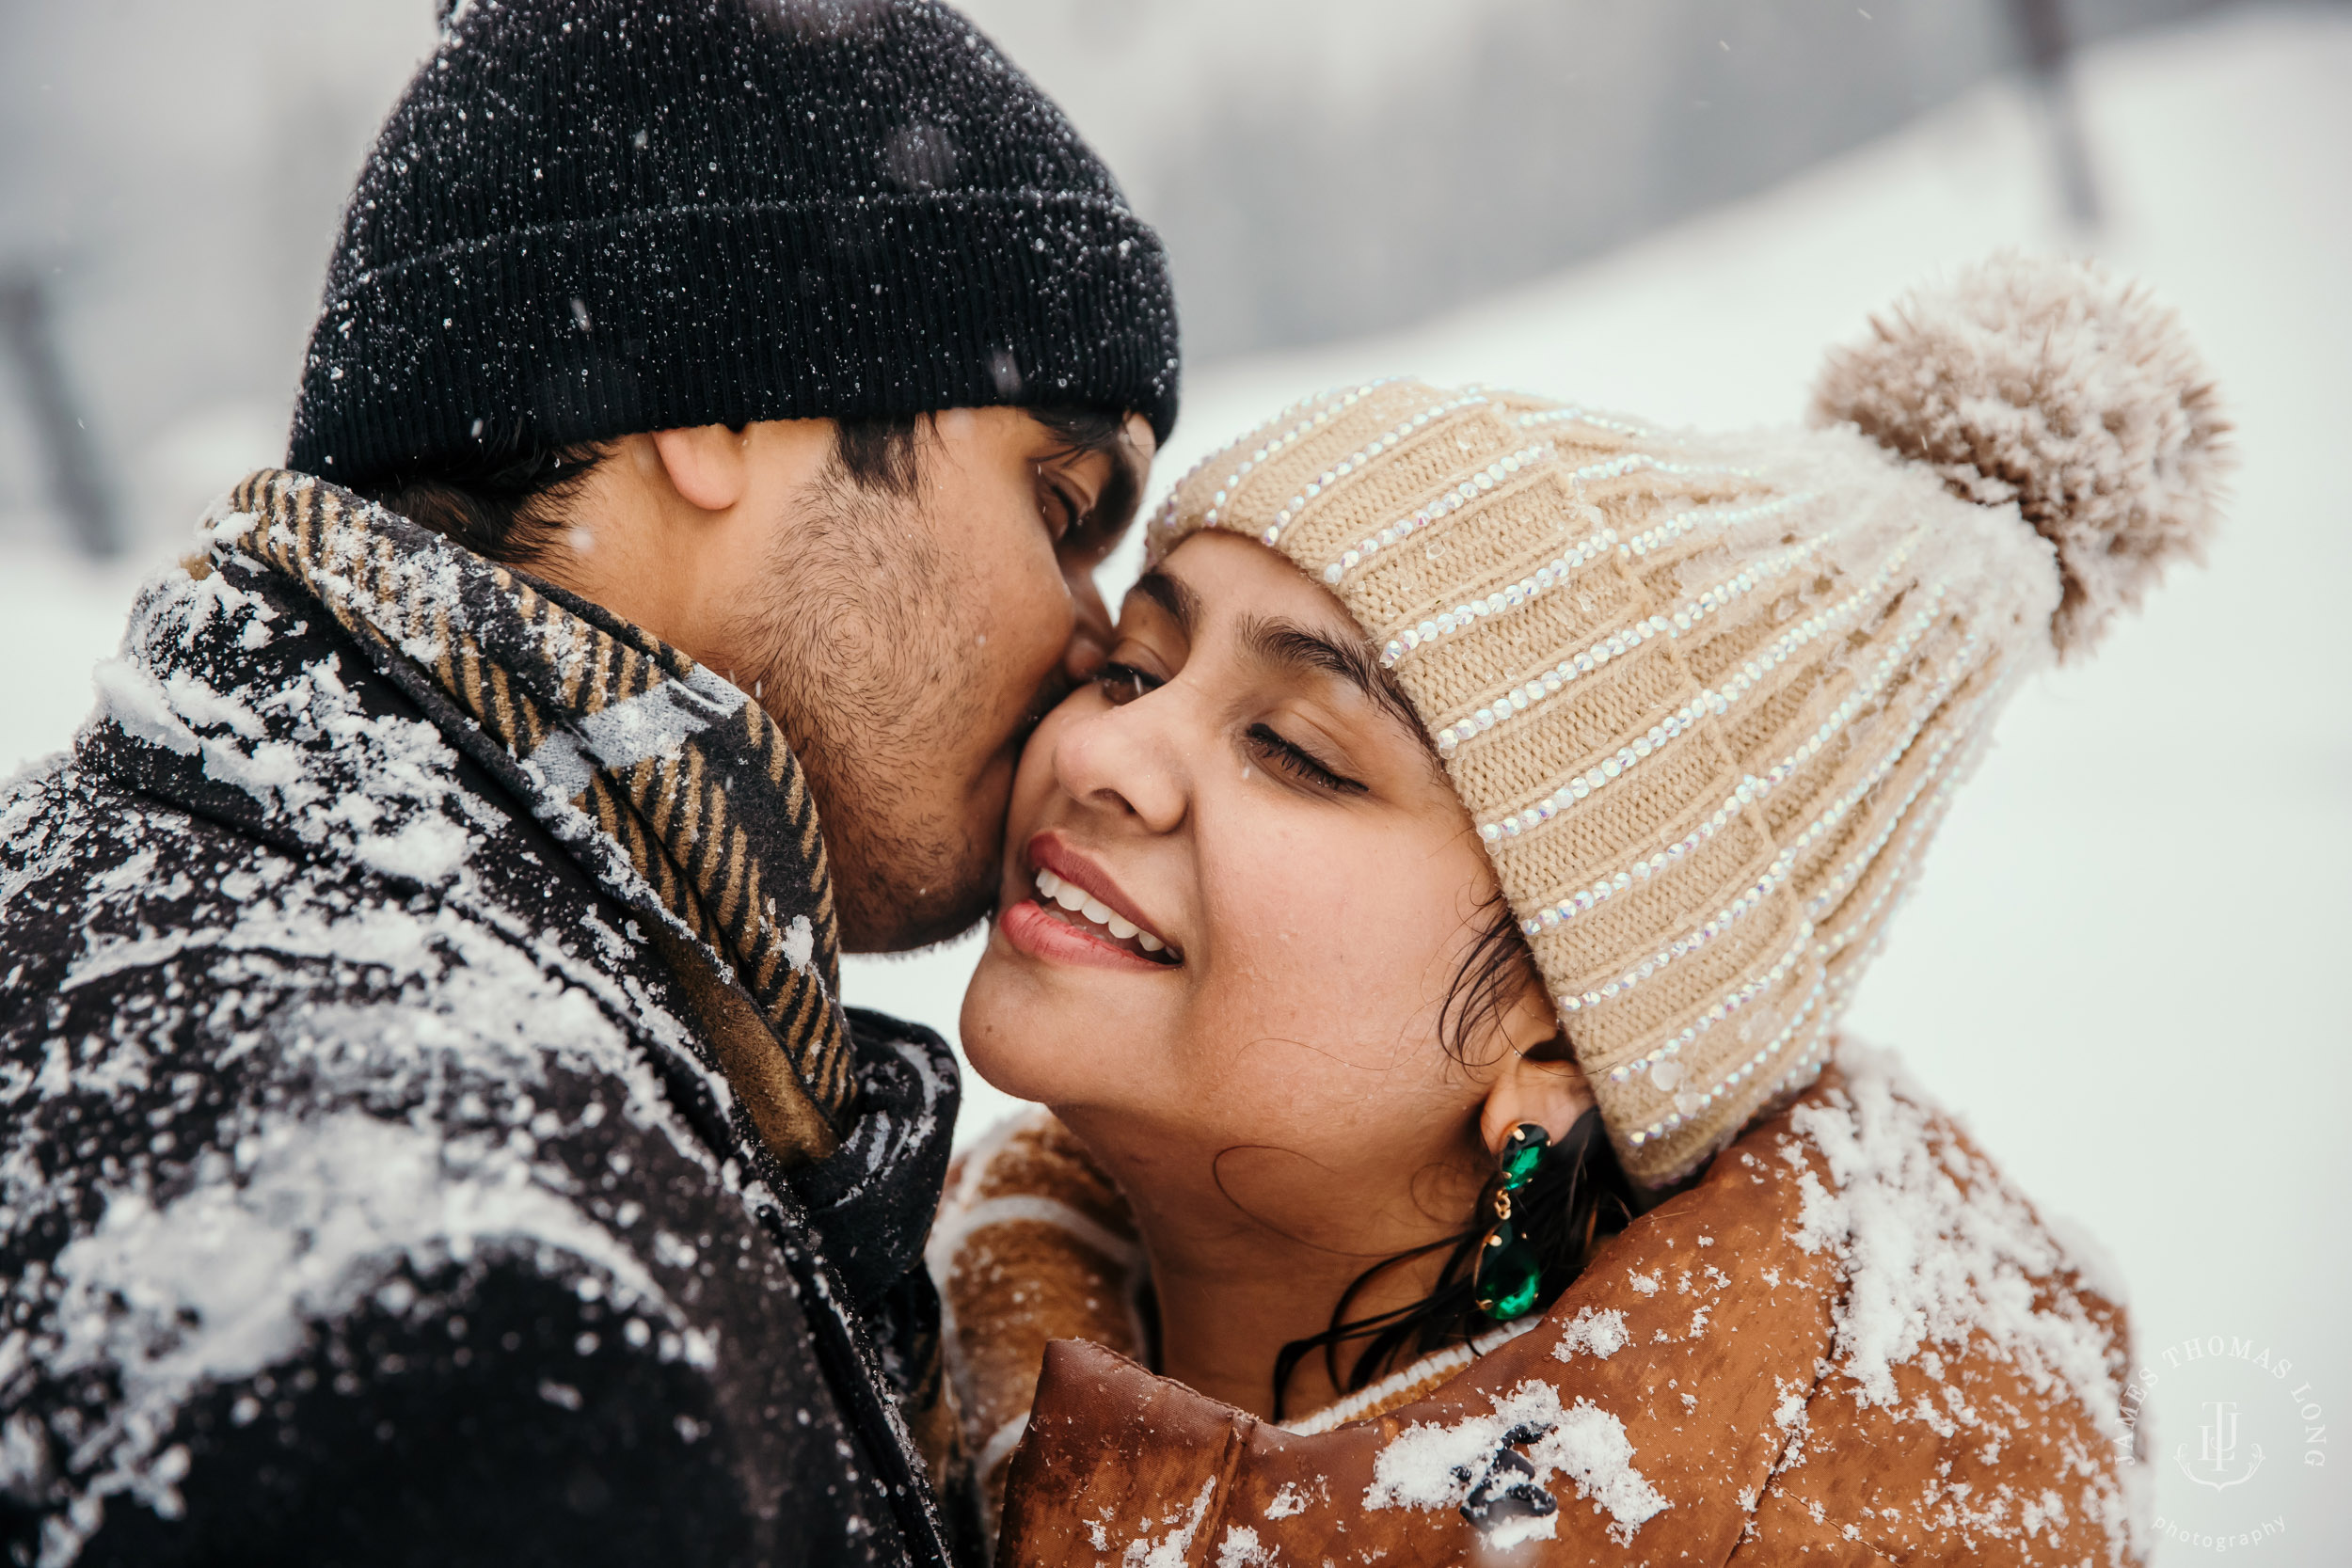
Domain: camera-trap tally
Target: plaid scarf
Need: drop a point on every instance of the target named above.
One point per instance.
(675, 789)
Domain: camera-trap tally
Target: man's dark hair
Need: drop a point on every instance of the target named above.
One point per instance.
(506, 505)
(883, 454)
(511, 505)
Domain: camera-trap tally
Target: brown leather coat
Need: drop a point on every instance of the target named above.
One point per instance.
(1849, 1343)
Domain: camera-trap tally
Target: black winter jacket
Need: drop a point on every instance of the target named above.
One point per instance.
(366, 1196)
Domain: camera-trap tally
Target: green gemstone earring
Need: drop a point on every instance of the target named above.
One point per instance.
(1509, 1274)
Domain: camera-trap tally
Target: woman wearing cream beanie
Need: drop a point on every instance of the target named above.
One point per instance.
(1705, 698)
(1703, 701)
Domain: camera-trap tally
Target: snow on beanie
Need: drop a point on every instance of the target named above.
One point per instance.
(1707, 698)
(591, 218)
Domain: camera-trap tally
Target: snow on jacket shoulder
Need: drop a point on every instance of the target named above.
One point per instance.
(365, 1196)
(1850, 1342)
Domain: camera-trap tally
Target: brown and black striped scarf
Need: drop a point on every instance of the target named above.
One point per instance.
(674, 788)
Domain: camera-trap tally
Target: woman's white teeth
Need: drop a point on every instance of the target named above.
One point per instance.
(1078, 901)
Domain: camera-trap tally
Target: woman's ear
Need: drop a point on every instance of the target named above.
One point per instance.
(705, 465)
(1538, 1080)
(1547, 1088)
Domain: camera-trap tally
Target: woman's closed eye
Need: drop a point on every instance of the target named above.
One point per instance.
(1298, 761)
(1122, 683)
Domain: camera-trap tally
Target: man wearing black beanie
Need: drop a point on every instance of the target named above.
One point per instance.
(433, 1133)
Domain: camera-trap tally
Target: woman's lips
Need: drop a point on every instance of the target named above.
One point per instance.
(1077, 915)
(1053, 937)
(1069, 884)
(1097, 916)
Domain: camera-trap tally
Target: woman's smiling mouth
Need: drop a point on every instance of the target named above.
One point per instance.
(1077, 915)
(1075, 906)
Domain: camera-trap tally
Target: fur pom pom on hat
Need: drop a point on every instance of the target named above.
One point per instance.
(2053, 385)
(1707, 698)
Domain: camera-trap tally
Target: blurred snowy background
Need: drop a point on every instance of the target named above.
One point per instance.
(2125, 963)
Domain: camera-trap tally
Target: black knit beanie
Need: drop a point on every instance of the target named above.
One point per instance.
(587, 218)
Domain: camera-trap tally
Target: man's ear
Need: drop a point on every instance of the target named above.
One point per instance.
(705, 465)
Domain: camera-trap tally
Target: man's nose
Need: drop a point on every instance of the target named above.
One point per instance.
(1090, 632)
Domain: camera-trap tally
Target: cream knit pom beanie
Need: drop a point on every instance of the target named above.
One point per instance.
(1706, 698)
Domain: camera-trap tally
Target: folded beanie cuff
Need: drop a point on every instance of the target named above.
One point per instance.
(826, 307)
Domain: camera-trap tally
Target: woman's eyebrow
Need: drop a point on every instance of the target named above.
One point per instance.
(1289, 645)
(1174, 595)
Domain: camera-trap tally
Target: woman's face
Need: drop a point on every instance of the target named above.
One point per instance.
(1237, 889)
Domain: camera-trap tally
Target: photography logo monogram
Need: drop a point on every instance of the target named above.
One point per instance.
(2234, 1441)
(2217, 1450)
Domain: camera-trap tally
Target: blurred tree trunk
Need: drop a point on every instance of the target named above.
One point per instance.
(76, 482)
(2048, 41)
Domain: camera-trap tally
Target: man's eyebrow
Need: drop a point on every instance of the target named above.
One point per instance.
(1289, 644)
(1174, 595)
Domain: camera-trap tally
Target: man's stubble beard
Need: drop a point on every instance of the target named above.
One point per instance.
(861, 650)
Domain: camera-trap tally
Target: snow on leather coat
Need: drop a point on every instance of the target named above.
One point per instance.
(366, 1196)
(1849, 1343)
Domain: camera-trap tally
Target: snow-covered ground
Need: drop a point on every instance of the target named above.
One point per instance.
(2118, 963)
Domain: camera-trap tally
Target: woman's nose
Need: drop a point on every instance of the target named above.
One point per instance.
(1126, 760)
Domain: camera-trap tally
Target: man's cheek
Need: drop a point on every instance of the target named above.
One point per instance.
(1017, 656)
